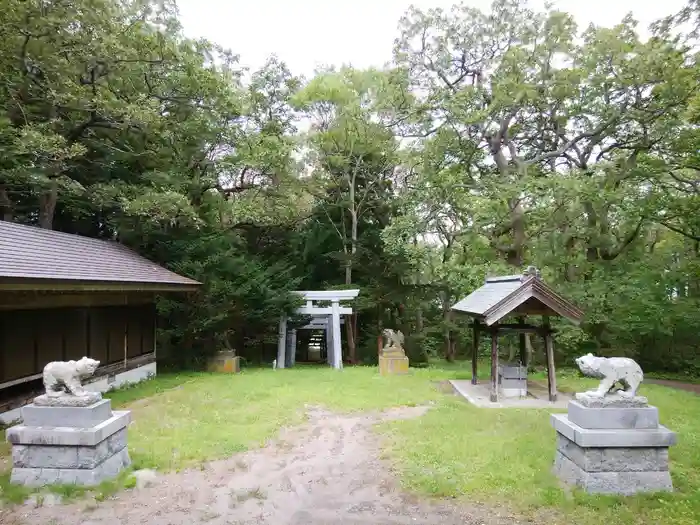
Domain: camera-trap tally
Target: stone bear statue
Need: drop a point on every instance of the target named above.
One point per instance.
(611, 370)
(65, 377)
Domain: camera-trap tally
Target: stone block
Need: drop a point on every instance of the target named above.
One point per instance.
(613, 400)
(65, 416)
(630, 438)
(108, 469)
(620, 482)
(393, 365)
(613, 417)
(69, 457)
(85, 400)
(225, 362)
(513, 383)
(67, 436)
(618, 459)
(512, 372)
(513, 392)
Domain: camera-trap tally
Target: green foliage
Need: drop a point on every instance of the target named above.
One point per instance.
(496, 138)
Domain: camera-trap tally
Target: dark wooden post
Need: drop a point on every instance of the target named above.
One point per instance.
(551, 372)
(494, 364)
(523, 346)
(475, 350)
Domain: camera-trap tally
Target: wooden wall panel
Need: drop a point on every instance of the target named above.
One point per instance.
(116, 326)
(31, 338)
(18, 357)
(134, 330)
(148, 327)
(99, 334)
(75, 333)
(49, 336)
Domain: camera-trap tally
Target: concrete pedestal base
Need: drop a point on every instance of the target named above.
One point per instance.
(69, 445)
(225, 362)
(613, 450)
(389, 365)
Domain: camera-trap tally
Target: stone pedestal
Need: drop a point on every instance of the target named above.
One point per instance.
(393, 364)
(225, 362)
(613, 445)
(81, 445)
(512, 381)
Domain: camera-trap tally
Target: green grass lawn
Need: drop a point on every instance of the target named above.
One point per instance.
(456, 450)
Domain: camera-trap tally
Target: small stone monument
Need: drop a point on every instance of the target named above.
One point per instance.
(610, 441)
(68, 435)
(392, 359)
(512, 380)
(226, 362)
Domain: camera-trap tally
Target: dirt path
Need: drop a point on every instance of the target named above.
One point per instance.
(327, 472)
(678, 385)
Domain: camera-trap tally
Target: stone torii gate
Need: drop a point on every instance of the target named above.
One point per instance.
(326, 318)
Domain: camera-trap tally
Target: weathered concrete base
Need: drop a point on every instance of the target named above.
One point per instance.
(225, 362)
(37, 476)
(67, 400)
(393, 365)
(69, 445)
(479, 395)
(623, 450)
(624, 483)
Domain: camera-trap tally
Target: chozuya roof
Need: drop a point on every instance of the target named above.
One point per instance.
(524, 294)
(45, 258)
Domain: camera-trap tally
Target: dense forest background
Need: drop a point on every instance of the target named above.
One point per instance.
(493, 141)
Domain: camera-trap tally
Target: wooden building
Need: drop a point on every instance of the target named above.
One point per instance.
(64, 296)
(515, 298)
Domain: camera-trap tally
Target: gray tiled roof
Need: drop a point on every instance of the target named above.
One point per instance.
(27, 252)
(500, 296)
(495, 290)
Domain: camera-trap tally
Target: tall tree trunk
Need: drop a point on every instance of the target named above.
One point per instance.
(47, 206)
(5, 205)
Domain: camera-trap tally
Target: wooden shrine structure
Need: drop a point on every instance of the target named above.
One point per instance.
(326, 318)
(519, 297)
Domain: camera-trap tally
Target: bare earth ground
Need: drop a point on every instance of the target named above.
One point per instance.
(327, 472)
(679, 385)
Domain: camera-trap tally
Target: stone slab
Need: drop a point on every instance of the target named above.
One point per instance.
(479, 395)
(37, 477)
(63, 416)
(512, 372)
(621, 483)
(393, 365)
(512, 383)
(34, 435)
(613, 400)
(616, 459)
(613, 417)
(225, 362)
(68, 400)
(57, 456)
(585, 437)
(513, 392)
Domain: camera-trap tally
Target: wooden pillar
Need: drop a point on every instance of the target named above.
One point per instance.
(551, 372)
(282, 342)
(494, 364)
(523, 345)
(337, 349)
(329, 342)
(475, 350)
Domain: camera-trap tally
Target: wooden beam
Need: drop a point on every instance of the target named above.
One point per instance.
(551, 372)
(522, 328)
(494, 366)
(40, 300)
(475, 350)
